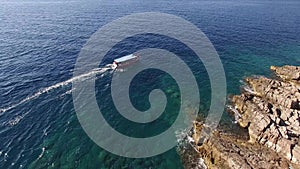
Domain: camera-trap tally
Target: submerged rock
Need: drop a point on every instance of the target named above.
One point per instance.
(270, 111)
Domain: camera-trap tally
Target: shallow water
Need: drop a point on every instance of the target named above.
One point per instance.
(39, 44)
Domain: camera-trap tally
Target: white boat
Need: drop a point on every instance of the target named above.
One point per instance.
(125, 61)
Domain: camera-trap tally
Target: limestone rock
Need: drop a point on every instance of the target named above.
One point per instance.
(269, 109)
(229, 152)
(287, 72)
(272, 111)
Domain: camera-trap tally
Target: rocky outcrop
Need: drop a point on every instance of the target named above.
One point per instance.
(270, 110)
(288, 73)
(229, 151)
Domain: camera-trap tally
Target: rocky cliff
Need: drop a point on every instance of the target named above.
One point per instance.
(269, 110)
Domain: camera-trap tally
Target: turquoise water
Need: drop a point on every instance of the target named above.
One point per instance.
(39, 44)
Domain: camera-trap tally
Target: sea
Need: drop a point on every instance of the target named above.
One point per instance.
(40, 41)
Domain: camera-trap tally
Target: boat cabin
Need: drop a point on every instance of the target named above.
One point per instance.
(125, 60)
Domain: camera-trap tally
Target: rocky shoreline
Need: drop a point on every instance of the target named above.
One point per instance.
(269, 110)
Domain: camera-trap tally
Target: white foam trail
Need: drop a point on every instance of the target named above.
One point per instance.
(67, 92)
(237, 114)
(186, 142)
(47, 89)
(42, 153)
(181, 135)
(249, 90)
(201, 163)
(16, 119)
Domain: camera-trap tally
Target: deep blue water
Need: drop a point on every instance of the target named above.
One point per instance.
(39, 44)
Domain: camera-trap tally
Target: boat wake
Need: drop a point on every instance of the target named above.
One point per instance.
(15, 120)
(82, 77)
